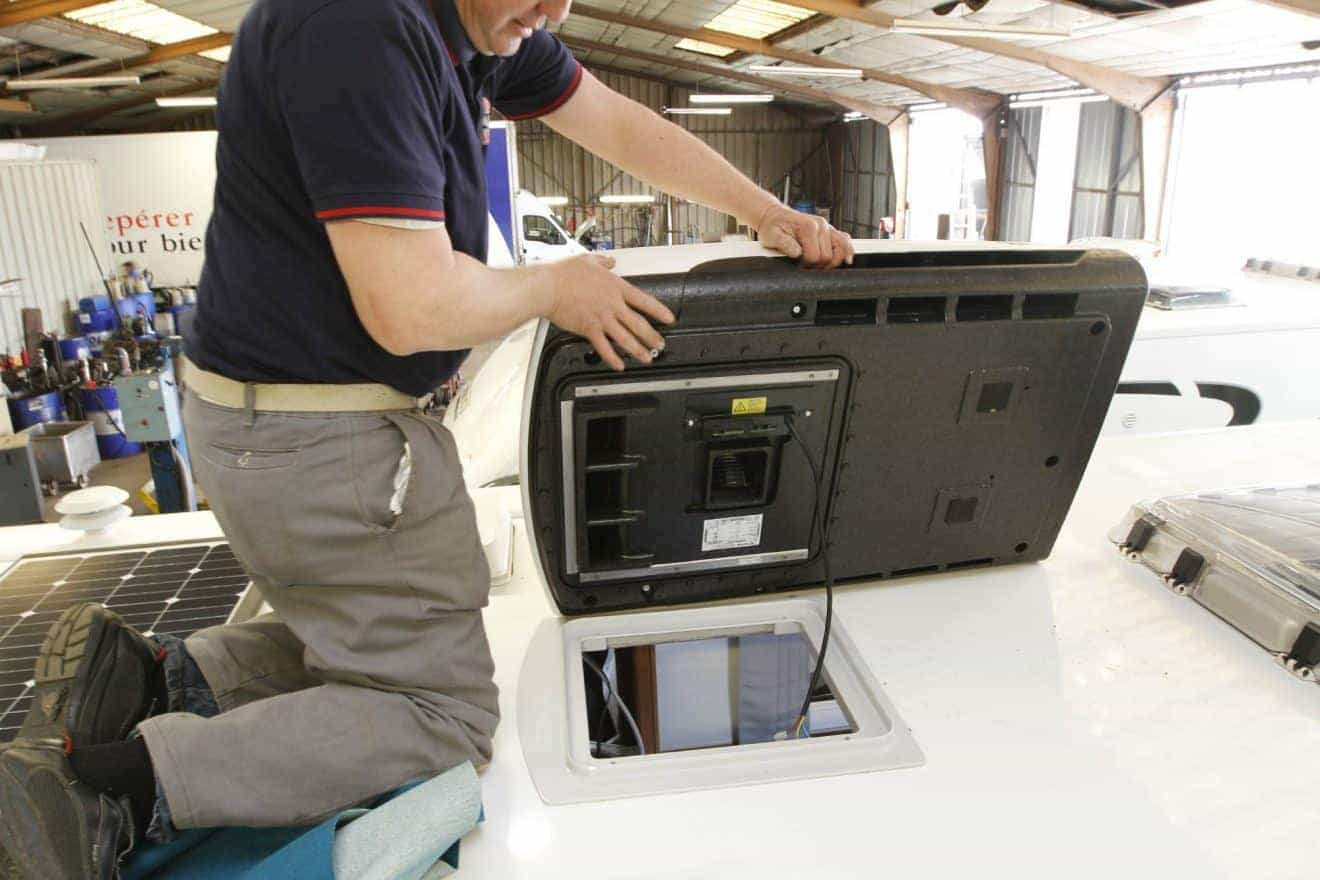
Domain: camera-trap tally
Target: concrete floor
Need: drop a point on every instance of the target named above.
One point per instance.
(129, 474)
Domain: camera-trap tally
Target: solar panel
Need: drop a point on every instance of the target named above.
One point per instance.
(170, 590)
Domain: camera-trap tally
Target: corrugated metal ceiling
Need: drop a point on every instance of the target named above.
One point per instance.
(1210, 35)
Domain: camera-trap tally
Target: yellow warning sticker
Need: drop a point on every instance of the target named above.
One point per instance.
(748, 406)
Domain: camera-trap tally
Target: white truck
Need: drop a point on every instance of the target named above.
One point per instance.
(544, 240)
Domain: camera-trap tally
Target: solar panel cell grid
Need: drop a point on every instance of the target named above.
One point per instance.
(173, 590)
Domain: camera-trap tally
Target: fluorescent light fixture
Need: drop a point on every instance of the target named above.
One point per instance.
(145, 21)
(72, 82)
(554, 201)
(735, 98)
(626, 200)
(698, 111)
(793, 70)
(221, 54)
(926, 107)
(853, 116)
(1058, 96)
(962, 28)
(185, 102)
(1277, 72)
(703, 48)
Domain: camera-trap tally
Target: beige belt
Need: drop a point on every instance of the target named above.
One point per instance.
(269, 397)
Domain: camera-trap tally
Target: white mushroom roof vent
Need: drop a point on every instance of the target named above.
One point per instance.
(93, 510)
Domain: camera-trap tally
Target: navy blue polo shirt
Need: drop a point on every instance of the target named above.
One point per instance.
(341, 109)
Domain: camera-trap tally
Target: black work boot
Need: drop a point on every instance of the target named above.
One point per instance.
(53, 826)
(96, 678)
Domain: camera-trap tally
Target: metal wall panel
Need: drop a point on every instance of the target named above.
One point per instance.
(41, 205)
(1107, 187)
(1021, 150)
(761, 141)
(867, 193)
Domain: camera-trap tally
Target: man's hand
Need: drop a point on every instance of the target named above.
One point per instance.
(605, 310)
(804, 236)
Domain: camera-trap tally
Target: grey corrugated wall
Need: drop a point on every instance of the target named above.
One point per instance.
(866, 193)
(1107, 187)
(761, 141)
(1021, 152)
(41, 205)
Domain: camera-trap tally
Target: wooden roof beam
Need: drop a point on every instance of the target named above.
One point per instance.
(1305, 7)
(792, 108)
(158, 55)
(882, 113)
(1127, 89)
(161, 54)
(68, 123)
(15, 105)
(23, 11)
(978, 103)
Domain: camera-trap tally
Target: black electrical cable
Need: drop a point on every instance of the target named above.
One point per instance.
(818, 524)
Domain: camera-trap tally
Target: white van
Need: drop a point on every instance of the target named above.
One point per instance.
(543, 239)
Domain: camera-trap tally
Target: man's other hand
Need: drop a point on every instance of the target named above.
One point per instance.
(605, 310)
(805, 237)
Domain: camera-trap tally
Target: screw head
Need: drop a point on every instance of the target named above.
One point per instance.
(798, 309)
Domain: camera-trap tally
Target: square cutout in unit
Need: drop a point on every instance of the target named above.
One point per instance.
(995, 395)
(737, 477)
(960, 507)
(960, 510)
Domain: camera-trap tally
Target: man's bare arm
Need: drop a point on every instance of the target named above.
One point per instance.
(413, 292)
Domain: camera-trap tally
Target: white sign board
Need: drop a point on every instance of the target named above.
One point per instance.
(157, 190)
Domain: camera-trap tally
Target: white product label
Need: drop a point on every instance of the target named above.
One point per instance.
(731, 532)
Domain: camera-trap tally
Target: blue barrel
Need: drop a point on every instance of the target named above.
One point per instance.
(101, 406)
(96, 314)
(36, 409)
(75, 348)
(97, 341)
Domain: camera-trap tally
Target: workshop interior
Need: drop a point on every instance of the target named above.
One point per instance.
(995, 549)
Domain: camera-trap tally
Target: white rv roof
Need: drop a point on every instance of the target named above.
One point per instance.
(1078, 718)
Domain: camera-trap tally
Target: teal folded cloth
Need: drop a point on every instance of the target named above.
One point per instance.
(410, 834)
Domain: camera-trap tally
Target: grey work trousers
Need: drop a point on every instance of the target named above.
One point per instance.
(377, 670)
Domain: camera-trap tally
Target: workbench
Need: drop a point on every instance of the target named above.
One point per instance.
(1078, 719)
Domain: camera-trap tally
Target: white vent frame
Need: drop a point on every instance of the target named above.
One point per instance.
(552, 723)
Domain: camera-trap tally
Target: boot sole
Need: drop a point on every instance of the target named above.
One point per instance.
(69, 639)
(69, 653)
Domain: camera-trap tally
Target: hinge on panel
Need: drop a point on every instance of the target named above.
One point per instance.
(1303, 660)
(1185, 571)
(1139, 535)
